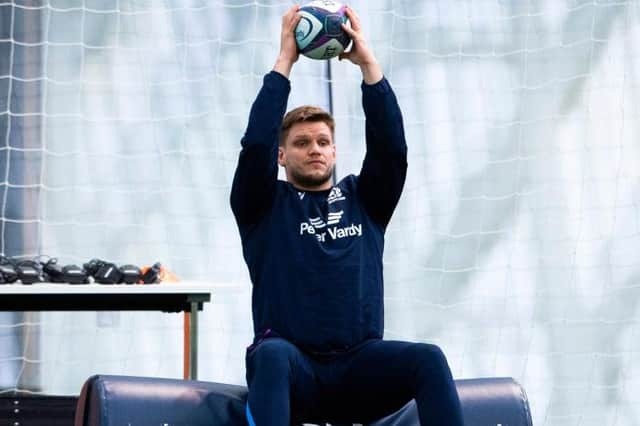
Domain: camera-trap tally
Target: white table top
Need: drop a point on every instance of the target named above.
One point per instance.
(181, 287)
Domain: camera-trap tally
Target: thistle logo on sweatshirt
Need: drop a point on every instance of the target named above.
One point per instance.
(321, 229)
(335, 195)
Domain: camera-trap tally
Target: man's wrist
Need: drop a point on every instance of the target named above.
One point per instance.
(371, 72)
(283, 66)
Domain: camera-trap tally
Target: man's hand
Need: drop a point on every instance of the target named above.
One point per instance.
(288, 47)
(360, 53)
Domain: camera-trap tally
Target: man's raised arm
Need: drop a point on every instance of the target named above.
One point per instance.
(385, 165)
(257, 171)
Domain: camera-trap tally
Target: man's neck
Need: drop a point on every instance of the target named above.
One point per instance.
(314, 188)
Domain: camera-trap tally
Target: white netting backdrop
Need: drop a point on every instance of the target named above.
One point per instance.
(514, 247)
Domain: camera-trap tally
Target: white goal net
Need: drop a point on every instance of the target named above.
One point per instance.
(515, 246)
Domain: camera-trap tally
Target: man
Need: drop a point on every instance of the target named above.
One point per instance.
(314, 253)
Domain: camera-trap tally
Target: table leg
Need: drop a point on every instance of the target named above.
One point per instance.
(193, 340)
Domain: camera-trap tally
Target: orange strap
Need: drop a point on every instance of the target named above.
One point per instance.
(187, 344)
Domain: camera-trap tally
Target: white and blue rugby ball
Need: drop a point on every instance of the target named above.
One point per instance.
(319, 33)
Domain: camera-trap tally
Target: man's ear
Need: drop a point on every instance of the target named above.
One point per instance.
(281, 156)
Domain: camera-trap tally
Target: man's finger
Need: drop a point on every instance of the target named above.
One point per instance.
(349, 30)
(294, 21)
(353, 17)
(291, 13)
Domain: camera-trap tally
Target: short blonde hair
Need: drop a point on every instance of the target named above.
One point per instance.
(305, 113)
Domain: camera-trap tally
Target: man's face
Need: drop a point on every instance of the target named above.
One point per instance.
(308, 155)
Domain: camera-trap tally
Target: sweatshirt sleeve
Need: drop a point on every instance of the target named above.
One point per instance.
(385, 164)
(256, 175)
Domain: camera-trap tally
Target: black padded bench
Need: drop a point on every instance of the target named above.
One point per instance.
(137, 401)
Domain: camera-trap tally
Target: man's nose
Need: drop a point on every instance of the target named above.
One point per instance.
(314, 147)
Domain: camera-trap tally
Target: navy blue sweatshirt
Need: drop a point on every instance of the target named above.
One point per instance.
(315, 257)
